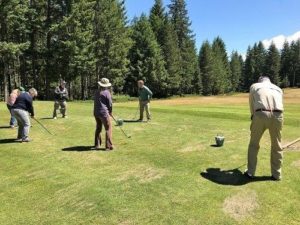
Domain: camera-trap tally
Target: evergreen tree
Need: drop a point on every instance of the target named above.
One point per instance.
(236, 66)
(295, 67)
(273, 64)
(146, 60)
(186, 43)
(206, 61)
(223, 81)
(111, 41)
(285, 65)
(249, 69)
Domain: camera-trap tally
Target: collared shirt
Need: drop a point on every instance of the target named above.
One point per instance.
(145, 93)
(24, 102)
(265, 95)
(102, 103)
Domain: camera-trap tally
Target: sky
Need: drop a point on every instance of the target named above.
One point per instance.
(239, 23)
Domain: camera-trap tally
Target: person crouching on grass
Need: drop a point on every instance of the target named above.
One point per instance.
(102, 113)
(21, 110)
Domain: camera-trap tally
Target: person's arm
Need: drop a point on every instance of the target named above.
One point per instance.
(66, 94)
(251, 104)
(109, 103)
(30, 106)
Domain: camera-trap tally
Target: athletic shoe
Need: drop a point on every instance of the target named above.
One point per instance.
(248, 175)
(110, 148)
(275, 179)
(66, 117)
(26, 140)
(54, 117)
(95, 148)
(18, 140)
(12, 126)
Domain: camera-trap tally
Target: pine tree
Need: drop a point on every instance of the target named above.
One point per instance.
(273, 64)
(249, 69)
(111, 41)
(285, 65)
(236, 66)
(186, 44)
(222, 67)
(146, 60)
(295, 67)
(206, 61)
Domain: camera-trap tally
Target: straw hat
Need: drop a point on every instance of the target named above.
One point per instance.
(104, 82)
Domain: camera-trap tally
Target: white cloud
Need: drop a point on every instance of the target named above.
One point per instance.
(280, 39)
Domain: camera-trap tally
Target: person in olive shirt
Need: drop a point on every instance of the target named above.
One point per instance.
(21, 110)
(145, 94)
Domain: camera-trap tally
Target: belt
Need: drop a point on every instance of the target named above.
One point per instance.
(268, 110)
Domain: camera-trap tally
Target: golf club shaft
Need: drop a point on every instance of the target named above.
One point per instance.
(120, 127)
(42, 125)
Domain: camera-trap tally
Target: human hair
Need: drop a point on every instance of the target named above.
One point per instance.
(33, 92)
(263, 78)
(141, 82)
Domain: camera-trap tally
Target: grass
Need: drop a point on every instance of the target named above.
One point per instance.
(154, 177)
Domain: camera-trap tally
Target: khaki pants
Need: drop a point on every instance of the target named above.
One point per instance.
(260, 122)
(145, 105)
(105, 121)
(63, 108)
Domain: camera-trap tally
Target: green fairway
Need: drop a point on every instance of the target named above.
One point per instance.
(156, 177)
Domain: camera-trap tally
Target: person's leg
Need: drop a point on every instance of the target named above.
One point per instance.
(98, 130)
(276, 148)
(141, 110)
(257, 129)
(108, 132)
(56, 107)
(63, 106)
(12, 121)
(24, 116)
(20, 123)
(147, 107)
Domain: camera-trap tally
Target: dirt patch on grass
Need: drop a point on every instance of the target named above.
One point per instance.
(241, 205)
(290, 96)
(143, 174)
(296, 164)
(192, 148)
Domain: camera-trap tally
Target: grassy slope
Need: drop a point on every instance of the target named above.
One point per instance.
(153, 178)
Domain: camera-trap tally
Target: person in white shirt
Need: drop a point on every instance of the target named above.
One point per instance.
(266, 108)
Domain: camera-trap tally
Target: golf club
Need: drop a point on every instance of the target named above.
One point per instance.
(128, 136)
(291, 143)
(42, 125)
(136, 113)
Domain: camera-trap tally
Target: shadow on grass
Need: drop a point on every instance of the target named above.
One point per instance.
(8, 141)
(81, 149)
(215, 146)
(47, 118)
(4, 127)
(132, 121)
(232, 177)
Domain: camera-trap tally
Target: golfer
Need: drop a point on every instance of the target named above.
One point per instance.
(145, 95)
(60, 100)
(10, 101)
(102, 113)
(21, 110)
(266, 107)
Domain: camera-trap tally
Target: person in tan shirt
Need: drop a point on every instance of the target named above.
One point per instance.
(266, 108)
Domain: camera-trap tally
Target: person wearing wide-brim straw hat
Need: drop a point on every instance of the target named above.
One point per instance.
(102, 113)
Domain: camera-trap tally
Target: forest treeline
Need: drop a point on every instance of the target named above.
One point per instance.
(80, 41)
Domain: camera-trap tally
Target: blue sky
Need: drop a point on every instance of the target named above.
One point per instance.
(239, 23)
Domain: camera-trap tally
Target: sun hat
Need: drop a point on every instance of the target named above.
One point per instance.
(104, 82)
